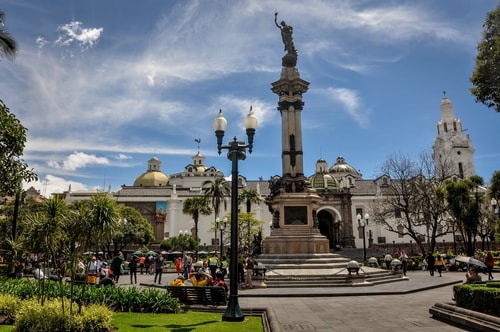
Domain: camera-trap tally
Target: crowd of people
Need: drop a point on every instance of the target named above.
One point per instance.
(436, 263)
(211, 270)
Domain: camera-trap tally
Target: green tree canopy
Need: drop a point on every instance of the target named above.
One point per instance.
(486, 75)
(132, 228)
(464, 205)
(13, 170)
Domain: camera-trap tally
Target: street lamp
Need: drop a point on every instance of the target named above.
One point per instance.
(236, 151)
(221, 226)
(362, 223)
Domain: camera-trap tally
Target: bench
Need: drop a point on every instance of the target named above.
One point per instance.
(204, 295)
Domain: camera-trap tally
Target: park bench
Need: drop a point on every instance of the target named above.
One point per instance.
(204, 295)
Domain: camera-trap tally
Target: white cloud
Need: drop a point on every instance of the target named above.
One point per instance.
(351, 102)
(73, 32)
(78, 160)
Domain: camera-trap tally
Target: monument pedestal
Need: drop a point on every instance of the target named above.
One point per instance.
(295, 229)
(296, 240)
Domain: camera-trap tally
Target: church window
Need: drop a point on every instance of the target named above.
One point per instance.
(445, 127)
(461, 170)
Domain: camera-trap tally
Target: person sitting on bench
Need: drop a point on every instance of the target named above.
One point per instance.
(200, 278)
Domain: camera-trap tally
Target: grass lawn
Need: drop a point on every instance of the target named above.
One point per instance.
(191, 321)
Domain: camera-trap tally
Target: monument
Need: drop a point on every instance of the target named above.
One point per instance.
(296, 254)
(292, 202)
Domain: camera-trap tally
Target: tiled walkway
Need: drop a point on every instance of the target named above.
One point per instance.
(398, 306)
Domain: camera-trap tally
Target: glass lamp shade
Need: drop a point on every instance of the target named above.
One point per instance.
(250, 121)
(220, 122)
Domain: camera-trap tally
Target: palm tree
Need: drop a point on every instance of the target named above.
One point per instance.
(102, 219)
(194, 206)
(216, 191)
(249, 197)
(8, 46)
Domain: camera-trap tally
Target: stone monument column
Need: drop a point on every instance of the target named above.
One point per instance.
(292, 202)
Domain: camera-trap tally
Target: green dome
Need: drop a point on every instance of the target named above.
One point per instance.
(324, 181)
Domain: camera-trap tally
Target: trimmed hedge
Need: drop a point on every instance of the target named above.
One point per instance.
(481, 297)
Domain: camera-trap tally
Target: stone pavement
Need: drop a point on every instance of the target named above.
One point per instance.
(397, 306)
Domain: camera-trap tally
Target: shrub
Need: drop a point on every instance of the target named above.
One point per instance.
(9, 304)
(53, 318)
(117, 298)
(478, 297)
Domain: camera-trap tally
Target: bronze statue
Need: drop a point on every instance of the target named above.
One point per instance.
(286, 35)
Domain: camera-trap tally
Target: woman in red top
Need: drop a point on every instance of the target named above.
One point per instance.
(489, 261)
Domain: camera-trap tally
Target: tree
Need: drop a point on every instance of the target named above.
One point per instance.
(13, 170)
(485, 77)
(8, 45)
(216, 191)
(132, 228)
(194, 207)
(45, 228)
(413, 202)
(182, 242)
(101, 216)
(244, 220)
(494, 194)
(249, 197)
(494, 187)
(464, 205)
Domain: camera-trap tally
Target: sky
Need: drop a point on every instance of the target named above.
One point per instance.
(103, 86)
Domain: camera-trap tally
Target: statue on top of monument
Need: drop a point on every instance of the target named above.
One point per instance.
(286, 35)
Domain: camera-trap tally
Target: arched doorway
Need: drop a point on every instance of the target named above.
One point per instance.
(329, 226)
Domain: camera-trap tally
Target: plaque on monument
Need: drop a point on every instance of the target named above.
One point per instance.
(295, 215)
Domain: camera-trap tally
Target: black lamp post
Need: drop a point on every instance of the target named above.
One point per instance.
(221, 225)
(362, 223)
(236, 151)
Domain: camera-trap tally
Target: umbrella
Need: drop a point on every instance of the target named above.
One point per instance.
(202, 252)
(137, 252)
(151, 253)
(470, 261)
(175, 253)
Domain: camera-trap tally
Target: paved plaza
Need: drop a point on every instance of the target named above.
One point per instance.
(397, 306)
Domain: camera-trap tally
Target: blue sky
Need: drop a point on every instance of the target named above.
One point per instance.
(102, 86)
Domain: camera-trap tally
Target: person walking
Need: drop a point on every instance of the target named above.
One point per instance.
(116, 266)
(490, 262)
(403, 257)
(186, 265)
(158, 262)
(132, 266)
(439, 264)
(430, 263)
(142, 261)
(249, 270)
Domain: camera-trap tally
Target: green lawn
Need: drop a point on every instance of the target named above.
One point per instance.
(191, 321)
